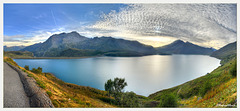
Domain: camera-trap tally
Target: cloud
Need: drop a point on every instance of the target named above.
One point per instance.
(31, 38)
(211, 25)
(14, 38)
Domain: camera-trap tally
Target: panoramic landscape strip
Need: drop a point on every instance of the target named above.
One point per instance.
(120, 56)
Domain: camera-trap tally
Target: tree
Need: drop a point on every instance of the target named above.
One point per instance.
(115, 87)
(26, 67)
(119, 84)
(109, 87)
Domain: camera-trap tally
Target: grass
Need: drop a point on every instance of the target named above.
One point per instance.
(219, 86)
(66, 94)
(217, 97)
(49, 93)
(215, 89)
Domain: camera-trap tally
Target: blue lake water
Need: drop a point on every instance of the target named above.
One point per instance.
(144, 75)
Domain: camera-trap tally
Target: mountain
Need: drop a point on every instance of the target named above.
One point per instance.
(123, 53)
(109, 44)
(228, 50)
(226, 53)
(13, 48)
(56, 44)
(72, 52)
(181, 47)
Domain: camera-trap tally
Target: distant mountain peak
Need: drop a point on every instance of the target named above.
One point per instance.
(178, 41)
(74, 32)
(57, 43)
(13, 48)
(181, 47)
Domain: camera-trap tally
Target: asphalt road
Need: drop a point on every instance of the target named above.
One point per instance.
(14, 94)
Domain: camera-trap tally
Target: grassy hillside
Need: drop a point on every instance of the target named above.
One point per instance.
(226, 53)
(18, 54)
(65, 94)
(217, 87)
(228, 50)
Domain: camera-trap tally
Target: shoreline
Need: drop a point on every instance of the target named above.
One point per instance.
(113, 56)
(97, 56)
(55, 57)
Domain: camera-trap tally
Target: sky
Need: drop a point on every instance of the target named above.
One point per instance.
(208, 25)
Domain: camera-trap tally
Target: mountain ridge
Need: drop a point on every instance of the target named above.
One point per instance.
(181, 47)
(13, 48)
(57, 43)
(226, 50)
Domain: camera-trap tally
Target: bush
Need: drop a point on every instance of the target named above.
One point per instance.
(30, 75)
(26, 67)
(49, 93)
(11, 61)
(37, 71)
(41, 84)
(40, 69)
(168, 100)
(233, 69)
(206, 87)
(129, 99)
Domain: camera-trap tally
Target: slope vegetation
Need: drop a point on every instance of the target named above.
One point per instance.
(65, 94)
(18, 54)
(226, 53)
(215, 89)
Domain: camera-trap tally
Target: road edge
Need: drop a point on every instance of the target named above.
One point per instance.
(37, 97)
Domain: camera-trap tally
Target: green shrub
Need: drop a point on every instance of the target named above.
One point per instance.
(40, 69)
(24, 70)
(55, 103)
(37, 71)
(129, 99)
(49, 93)
(26, 67)
(168, 100)
(41, 84)
(206, 87)
(233, 69)
(30, 75)
(11, 61)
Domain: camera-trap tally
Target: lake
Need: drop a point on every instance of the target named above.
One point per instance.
(144, 75)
